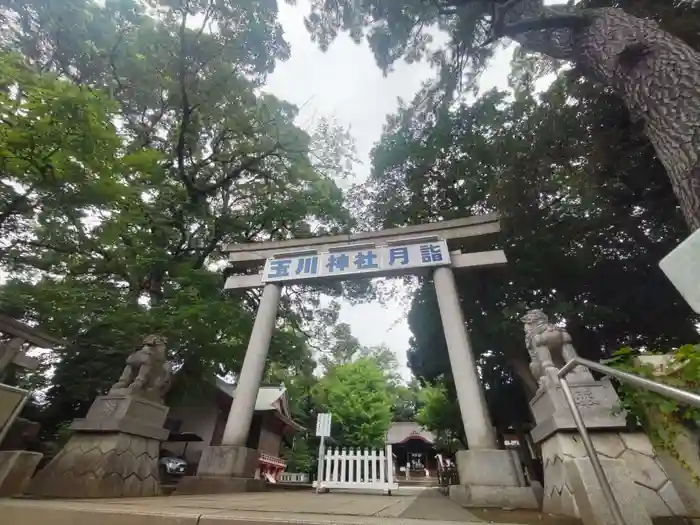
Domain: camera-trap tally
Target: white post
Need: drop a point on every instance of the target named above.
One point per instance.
(472, 403)
(243, 405)
(382, 466)
(355, 465)
(343, 467)
(328, 476)
(365, 474)
(336, 464)
(389, 464)
(321, 461)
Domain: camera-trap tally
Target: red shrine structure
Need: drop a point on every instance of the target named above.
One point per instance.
(206, 417)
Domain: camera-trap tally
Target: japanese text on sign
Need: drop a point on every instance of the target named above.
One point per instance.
(353, 262)
(323, 425)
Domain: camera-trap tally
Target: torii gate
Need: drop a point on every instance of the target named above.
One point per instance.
(437, 248)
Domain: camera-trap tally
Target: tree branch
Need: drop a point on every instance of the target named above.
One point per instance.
(13, 206)
(571, 21)
(246, 165)
(186, 112)
(112, 56)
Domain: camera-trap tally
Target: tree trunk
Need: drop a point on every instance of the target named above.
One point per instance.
(521, 367)
(656, 74)
(658, 78)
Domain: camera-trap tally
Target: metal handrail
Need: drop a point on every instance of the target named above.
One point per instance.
(654, 386)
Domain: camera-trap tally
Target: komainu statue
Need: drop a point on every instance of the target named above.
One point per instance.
(549, 348)
(148, 373)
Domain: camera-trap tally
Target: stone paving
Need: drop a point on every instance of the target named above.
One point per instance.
(304, 508)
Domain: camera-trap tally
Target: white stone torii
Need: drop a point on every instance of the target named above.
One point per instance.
(479, 473)
(472, 405)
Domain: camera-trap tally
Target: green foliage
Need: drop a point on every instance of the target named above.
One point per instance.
(301, 456)
(408, 401)
(57, 149)
(661, 418)
(337, 345)
(405, 29)
(360, 397)
(440, 414)
(585, 219)
(469, 30)
(299, 380)
(165, 150)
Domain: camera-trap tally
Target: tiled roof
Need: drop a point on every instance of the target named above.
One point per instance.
(270, 398)
(402, 431)
(267, 395)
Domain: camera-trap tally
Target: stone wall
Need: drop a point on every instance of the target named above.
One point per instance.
(101, 466)
(660, 497)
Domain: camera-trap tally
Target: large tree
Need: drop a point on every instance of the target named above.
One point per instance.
(58, 148)
(203, 158)
(587, 214)
(440, 414)
(360, 397)
(655, 73)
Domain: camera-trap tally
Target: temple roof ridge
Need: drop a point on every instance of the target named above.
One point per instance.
(402, 431)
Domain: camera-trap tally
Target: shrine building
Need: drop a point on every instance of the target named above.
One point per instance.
(206, 417)
(413, 449)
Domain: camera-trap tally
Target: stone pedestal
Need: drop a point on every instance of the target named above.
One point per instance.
(113, 452)
(222, 469)
(591, 504)
(630, 455)
(16, 469)
(683, 476)
(491, 478)
(597, 400)
(639, 482)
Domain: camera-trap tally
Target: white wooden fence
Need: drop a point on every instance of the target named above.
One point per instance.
(294, 477)
(358, 469)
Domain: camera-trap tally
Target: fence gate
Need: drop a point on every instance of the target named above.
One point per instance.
(357, 469)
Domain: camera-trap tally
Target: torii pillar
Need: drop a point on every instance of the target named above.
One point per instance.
(488, 476)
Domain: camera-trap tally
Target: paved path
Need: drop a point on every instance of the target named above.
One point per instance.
(431, 505)
(303, 508)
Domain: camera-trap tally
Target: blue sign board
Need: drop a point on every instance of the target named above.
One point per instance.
(354, 262)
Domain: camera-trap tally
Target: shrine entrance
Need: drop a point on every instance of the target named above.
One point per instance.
(435, 250)
(414, 451)
(416, 459)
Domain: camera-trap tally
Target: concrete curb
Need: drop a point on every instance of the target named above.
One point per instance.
(28, 512)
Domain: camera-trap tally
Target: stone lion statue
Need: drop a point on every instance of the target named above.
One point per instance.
(549, 348)
(147, 372)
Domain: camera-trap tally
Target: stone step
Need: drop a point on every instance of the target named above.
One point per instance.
(425, 482)
(28, 512)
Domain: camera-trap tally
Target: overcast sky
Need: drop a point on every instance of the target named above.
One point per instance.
(345, 85)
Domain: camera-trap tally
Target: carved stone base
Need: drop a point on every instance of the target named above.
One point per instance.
(479, 496)
(683, 475)
(113, 453)
(588, 494)
(16, 469)
(634, 471)
(597, 400)
(491, 478)
(224, 468)
(228, 460)
(110, 465)
(124, 413)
